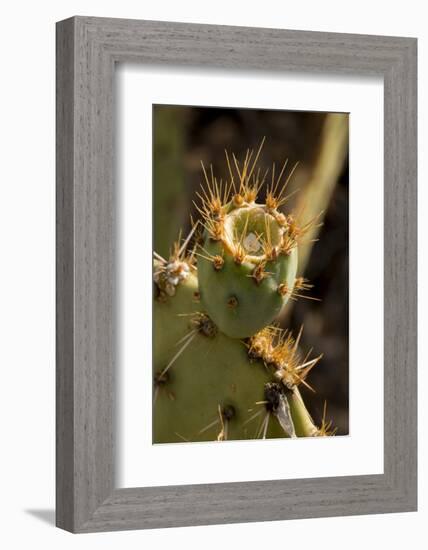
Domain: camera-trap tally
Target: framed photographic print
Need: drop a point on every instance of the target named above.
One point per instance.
(236, 274)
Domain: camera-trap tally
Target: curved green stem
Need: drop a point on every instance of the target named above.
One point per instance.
(303, 422)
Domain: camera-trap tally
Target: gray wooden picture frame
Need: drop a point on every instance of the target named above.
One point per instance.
(87, 51)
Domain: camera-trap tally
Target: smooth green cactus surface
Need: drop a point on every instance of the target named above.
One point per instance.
(302, 420)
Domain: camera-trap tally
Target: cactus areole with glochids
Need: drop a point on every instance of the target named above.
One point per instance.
(247, 261)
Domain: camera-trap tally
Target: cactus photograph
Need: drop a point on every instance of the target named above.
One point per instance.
(250, 274)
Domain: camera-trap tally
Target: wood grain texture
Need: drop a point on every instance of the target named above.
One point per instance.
(87, 50)
(64, 276)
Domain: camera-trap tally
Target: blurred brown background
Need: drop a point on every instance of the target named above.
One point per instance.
(183, 136)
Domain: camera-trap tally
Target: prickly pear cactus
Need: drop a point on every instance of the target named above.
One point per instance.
(208, 386)
(247, 262)
(222, 370)
(205, 383)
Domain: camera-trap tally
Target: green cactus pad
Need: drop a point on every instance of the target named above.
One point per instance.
(213, 371)
(244, 293)
(169, 326)
(212, 375)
